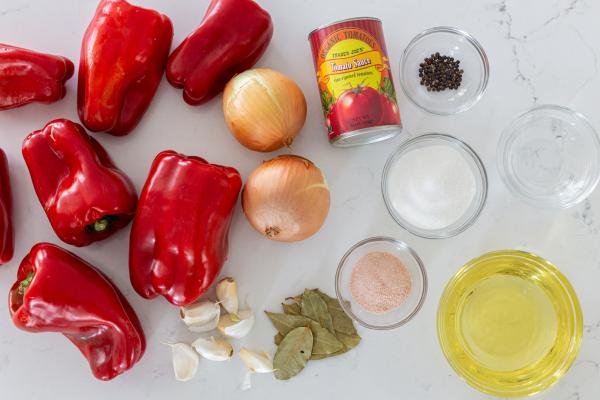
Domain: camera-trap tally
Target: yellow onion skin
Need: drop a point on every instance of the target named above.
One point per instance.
(286, 199)
(264, 109)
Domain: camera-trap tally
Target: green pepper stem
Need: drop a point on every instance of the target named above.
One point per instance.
(103, 224)
(24, 284)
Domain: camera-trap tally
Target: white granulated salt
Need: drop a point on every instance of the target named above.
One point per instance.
(431, 187)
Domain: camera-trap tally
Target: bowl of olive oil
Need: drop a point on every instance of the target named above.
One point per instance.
(509, 323)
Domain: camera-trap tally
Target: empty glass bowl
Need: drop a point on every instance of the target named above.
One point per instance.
(451, 42)
(550, 156)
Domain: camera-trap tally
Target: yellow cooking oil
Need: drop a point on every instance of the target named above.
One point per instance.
(510, 323)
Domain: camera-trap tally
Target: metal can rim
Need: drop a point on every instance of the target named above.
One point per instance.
(393, 129)
(342, 20)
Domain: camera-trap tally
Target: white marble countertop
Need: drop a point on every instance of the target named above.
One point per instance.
(541, 51)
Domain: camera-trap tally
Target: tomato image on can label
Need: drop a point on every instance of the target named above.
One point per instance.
(354, 78)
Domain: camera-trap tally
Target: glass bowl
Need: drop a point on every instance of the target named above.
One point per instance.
(470, 214)
(398, 316)
(510, 323)
(451, 42)
(549, 156)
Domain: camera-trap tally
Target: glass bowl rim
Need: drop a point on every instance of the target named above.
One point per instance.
(465, 149)
(473, 42)
(421, 269)
(514, 187)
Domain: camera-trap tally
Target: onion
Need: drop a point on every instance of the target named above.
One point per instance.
(286, 198)
(264, 109)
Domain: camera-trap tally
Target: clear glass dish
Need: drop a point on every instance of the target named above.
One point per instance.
(550, 156)
(509, 323)
(396, 317)
(451, 42)
(480, 179)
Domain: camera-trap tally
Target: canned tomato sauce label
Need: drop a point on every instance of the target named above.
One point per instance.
(355, 81)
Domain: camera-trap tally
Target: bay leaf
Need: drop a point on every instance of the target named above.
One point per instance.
(293, 353)
(291, 308)
(324, 342)
(341, 321)
(284, 323)
(323, 356)
(295, 299)
(277, 339)
(313, 307)
(350, 341)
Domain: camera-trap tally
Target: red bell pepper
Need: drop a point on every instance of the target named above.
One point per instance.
(232, 37)
(56, 291)
(179, 236)
(123, 57)
(6, 227)
(85, 196)
(27, 76)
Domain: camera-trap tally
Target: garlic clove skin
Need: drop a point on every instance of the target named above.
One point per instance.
(256, 361)
(200, 313)
(238, 327)
(227, 295)
(185, 361)
(213, 349)
(247, 382)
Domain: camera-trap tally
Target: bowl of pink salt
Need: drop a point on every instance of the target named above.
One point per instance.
(381, 283)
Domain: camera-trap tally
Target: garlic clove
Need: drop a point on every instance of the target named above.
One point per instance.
(238, 327)
(227, 295)
(256, 361)
(185, 361)
(209, 326)
(213, 349)
(202, 316)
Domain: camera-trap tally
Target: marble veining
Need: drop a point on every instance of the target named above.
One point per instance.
(519, 42)
(12, 10)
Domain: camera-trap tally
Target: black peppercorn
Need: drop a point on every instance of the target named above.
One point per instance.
(439, 73)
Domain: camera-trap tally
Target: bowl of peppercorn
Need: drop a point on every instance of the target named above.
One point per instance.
(444, 71)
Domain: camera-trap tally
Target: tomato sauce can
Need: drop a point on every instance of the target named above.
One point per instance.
(355, 82)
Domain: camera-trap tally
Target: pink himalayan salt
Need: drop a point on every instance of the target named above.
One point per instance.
(380, 282)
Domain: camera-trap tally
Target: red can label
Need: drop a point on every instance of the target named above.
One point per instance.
(354, 77)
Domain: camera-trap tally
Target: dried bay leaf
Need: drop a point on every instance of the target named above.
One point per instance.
(324, 296)
(314, 357)
(341, 321)
(295, 299)
(284, 323)
(332, 331)
(291, 308)
(315, 308)
(324, 342)
(277, 339)
(350, 341)
(293, 353)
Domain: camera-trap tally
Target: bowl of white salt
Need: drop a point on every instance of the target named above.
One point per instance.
(434, 185)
